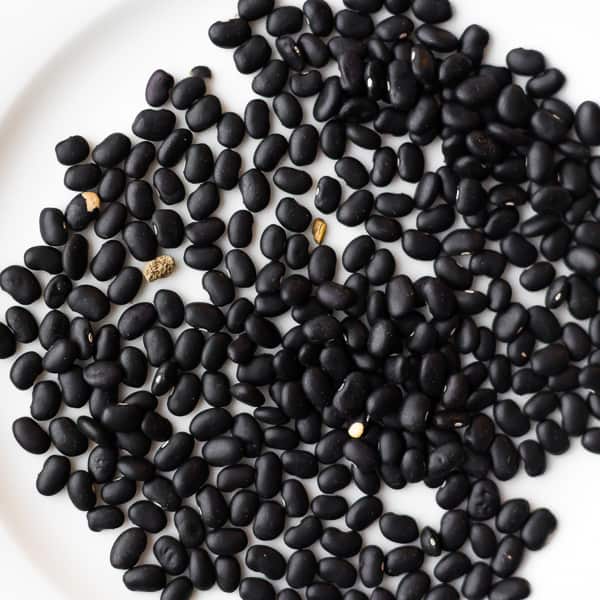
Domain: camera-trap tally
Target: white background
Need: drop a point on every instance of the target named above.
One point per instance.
(80, 67)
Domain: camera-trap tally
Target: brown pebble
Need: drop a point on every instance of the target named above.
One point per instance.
(161, 266)
(319, 229)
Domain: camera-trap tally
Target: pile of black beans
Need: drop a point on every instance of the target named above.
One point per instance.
(383, 380)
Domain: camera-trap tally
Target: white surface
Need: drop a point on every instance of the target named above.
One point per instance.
(72, 67)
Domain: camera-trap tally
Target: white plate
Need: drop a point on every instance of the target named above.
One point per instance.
(94, 85)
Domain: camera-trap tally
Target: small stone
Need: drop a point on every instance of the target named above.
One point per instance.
(319, 229)
(161, 266)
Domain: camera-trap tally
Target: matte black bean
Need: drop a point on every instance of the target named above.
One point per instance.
(158, 87)
(228, 573)
(352, 172)
(118, 491)
(292, 181)
(105, 517)
(383, 228)
(253, 588)
(212, 507)
(112, 150)
(288, 109)
(204, 113)
(22, 327)
(266, 560)
(25, 370)
(154, 125)
(398, 528)
(199, 163)
(546, 83)
(54, 475)
(145, 578)
(301, 569)
(128, 548)
(169, 186)
(53, 227)
(190, 527)
(201, 569)
(30, 436)
(81, 211)
(420, 245)
(80, 488)
(110, 222)
(269, 521)
(82, 177)
(46, 400)
(43, 258)
(525, 62)
(271, 79)
(226, 541)
(72, 150)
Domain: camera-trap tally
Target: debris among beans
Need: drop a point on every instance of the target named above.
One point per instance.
(383, 381)
(161, 266)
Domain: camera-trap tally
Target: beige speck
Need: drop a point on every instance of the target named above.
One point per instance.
(356, 430)
(319, 229)
(161, 266)
(92, 201)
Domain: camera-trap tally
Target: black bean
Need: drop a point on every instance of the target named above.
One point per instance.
(525, 62)
(254, 186)
(53, 227)
(139, 159)
(82, 177)
(118, 491)
(292, 181)
(125, 286)
(228, 573)
(180, 588)
(80, 488)
(25, 370)
(154, 125)
(201, 570)
(128, 548)
(72, 150)
(105, 517)
(204, 113)
(169, 308)
(212, 506)
(187, 92)
(508, 556)
(22, 327)
(229, 34)
(110, 222)
(420, 245)
(43, 258)
(293, 216)
(57, 291)
(271, 79)
(288, 110)
(158, 87)
(257, 119)
(266, 560)
(284, 20)
(30, 436)
(145, 578)
(545, 84)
